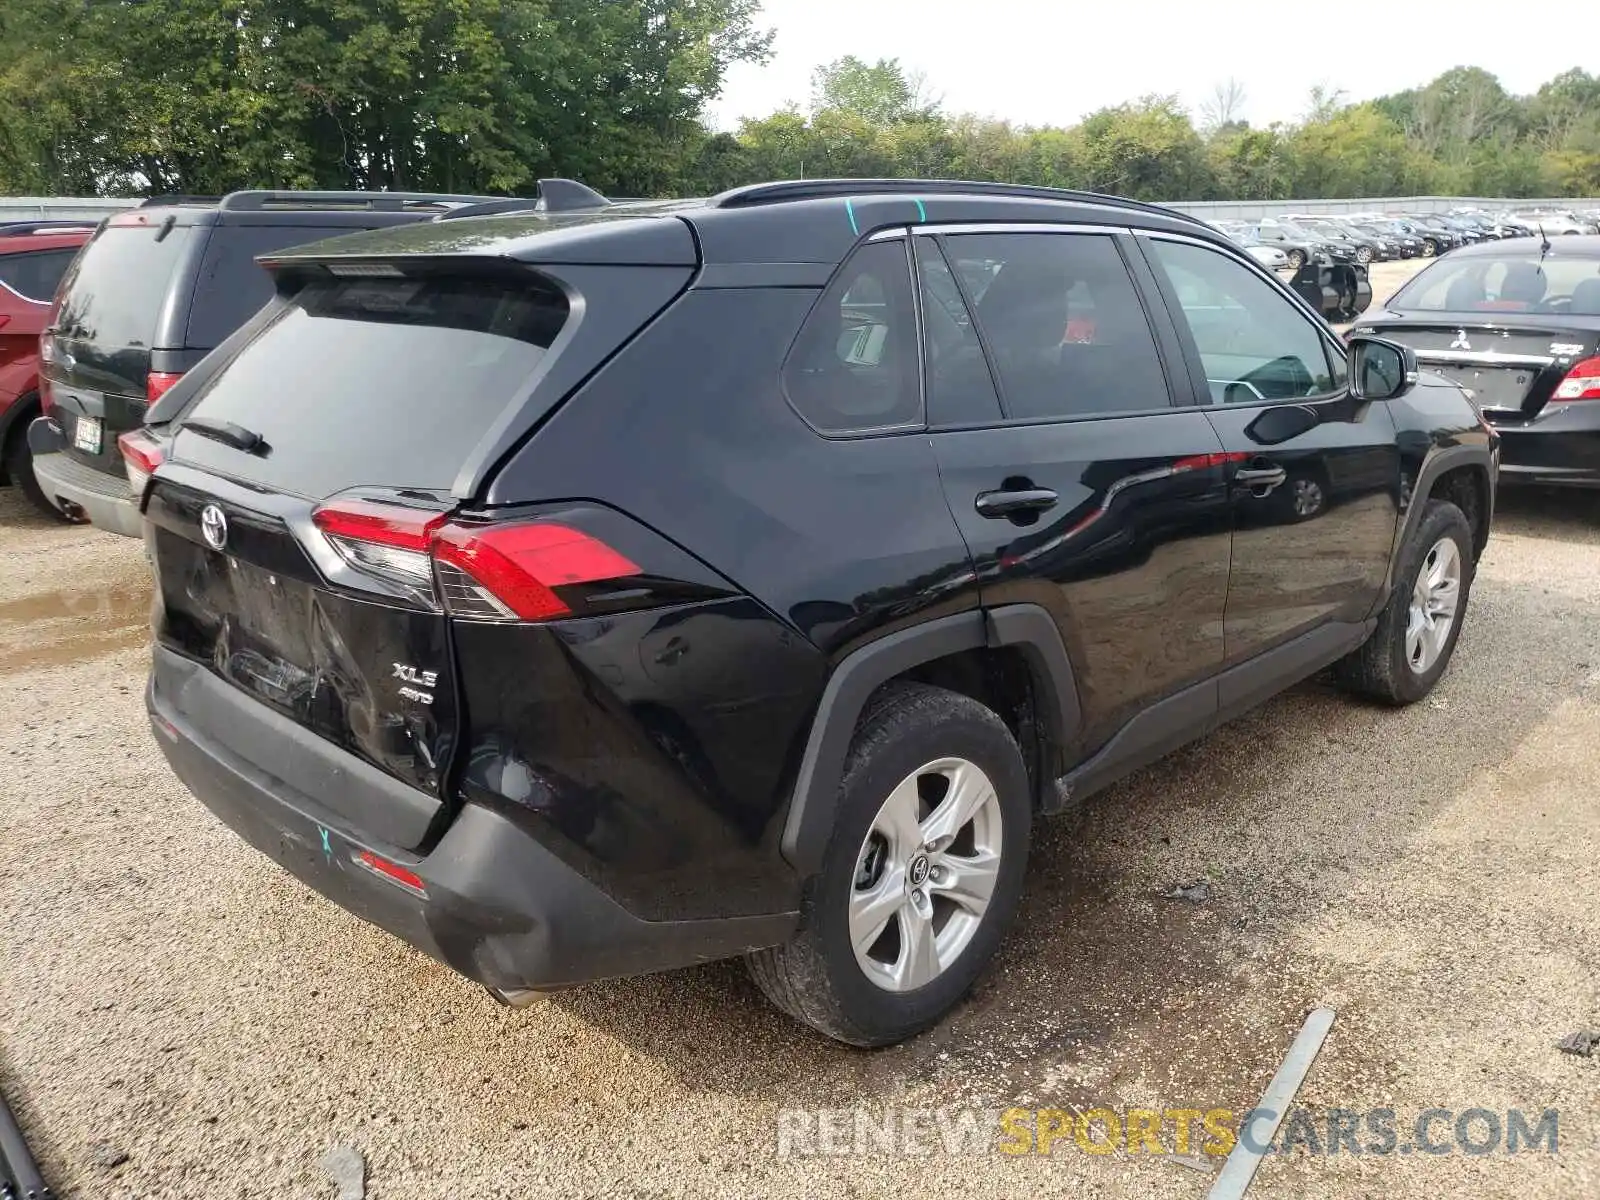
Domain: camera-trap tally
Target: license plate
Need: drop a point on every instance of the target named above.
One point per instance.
(1493, 387)
(88, 435)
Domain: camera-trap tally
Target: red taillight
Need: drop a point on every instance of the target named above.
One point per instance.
(156, 384)
(516, 566)
(484, 572)
(142, 453)
(47, 398)
(1581, 383)
(392, 871)
(385, 524)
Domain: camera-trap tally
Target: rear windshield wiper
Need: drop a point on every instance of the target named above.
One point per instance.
(228, 434)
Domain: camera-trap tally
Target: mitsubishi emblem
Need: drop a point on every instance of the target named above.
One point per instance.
(1461, 342)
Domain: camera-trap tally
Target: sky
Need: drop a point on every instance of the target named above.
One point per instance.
(1035, 62)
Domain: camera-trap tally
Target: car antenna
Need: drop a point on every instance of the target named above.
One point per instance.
(1544, 242)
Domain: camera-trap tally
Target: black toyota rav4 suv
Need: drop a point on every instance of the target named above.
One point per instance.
(618, 587)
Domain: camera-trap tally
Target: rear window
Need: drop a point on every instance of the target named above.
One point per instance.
(115, 291)
(379, 381)
(1504, 283)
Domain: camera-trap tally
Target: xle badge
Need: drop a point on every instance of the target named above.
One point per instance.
(411, 675)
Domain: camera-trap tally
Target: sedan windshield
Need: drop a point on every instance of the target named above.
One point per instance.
(1508, 282)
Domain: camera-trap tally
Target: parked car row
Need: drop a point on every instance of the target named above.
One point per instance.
(34, 255)
(1382, 237)
(497, 598)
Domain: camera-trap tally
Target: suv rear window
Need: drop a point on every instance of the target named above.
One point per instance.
(378, 381)
(114, 294)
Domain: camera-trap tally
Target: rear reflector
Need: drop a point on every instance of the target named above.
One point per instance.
(393, 872)
(141, 453)
(157, 383)
(1581, 383)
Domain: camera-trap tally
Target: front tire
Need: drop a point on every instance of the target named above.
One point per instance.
(1429, 248)
(1418, 629)
(1364, 255)
(1296, 260)
(922, 875)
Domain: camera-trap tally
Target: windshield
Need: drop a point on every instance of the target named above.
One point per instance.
(378, 381)
(1504, 283)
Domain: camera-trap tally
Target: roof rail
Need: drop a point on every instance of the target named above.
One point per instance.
(168, 198)
(260, 201)
(555, 195)
(19, 228)
(817, 189)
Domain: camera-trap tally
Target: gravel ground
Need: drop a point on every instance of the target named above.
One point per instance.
(169, 996)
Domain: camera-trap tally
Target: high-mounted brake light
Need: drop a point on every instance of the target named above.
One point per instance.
(142, 453)
(157, 384)
(1581, 383)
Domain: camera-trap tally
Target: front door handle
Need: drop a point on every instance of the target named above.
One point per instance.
(1002, 504)
(1260, 479)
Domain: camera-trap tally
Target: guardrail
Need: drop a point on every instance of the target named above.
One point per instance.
(70, 208)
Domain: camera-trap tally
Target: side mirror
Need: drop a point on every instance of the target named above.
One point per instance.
(1380, 370)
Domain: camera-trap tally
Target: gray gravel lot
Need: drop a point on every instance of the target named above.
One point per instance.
(167, 994)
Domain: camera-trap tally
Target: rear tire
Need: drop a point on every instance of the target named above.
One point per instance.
(19, 469)
(1429, 249)
(872, 989)
(1389, 667)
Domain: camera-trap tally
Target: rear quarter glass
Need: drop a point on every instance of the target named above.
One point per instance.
(377, 381)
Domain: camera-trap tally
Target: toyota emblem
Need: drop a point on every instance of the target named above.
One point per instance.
(214, 526)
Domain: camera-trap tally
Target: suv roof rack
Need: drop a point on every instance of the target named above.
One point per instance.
(170, 198)
(19, 228)
(261, 201)
(555, 195)
(817, 189)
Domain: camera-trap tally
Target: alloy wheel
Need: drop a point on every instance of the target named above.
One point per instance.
(1307, 497)
(925, 874)
(1434, 597)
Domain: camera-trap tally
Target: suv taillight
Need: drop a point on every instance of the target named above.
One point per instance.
(1581, 383)
(156, 384)
(489, 572)
(141, 453)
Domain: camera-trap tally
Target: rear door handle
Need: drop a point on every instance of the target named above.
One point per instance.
(1002, 504)
(1265, 478)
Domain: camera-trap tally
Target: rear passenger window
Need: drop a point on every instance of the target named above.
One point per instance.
(853, 368)
(1067, 331)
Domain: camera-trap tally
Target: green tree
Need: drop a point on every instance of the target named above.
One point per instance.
(880, 93)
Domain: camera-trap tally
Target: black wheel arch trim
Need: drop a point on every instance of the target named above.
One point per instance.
(14, 421)
(1027, 627)
(1439, 461)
